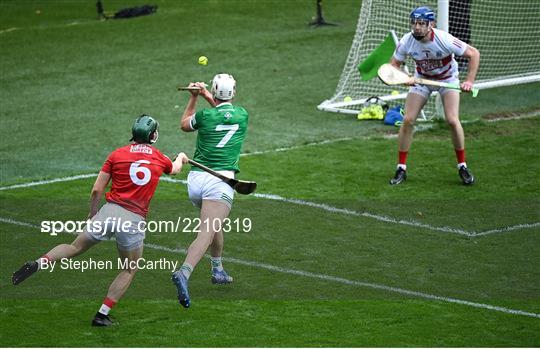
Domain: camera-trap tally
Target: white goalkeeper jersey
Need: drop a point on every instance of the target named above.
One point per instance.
(435, 58)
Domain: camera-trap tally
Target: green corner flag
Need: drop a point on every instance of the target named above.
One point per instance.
(382, 54)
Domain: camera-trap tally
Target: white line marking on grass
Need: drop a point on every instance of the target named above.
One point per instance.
(330, 278)
(381, 218)
(516, 116)
(513, 227)
(512, 116)
(49, 181)
(23, 224)
(328, 141)
(55, 26)
(381, 287)
(325, 207)
(419, 128)
(173, 180)
(276, 198)
(8, 30)
(394, 220)
(363, 214)
(390, 136)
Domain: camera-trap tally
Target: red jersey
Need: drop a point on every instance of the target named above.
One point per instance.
(135, 170)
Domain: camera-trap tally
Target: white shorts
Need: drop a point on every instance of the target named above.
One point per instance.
(204, 186)
(425, 91)
(114, 220)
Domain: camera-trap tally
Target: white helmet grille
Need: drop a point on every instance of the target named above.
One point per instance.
(223, 87)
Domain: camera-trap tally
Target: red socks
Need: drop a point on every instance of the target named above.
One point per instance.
(403, 158)
(460, 155)
(107, 305)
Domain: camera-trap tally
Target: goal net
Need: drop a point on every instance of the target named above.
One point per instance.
(506, 34)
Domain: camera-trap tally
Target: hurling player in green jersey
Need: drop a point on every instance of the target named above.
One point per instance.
(221, 133)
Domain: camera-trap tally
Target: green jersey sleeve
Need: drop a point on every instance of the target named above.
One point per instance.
(196, 119)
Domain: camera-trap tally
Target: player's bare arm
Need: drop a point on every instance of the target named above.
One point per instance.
(397, 63)
(178, 162)
(97, 192)
(189, 112)
(206, 94)
(474, 62)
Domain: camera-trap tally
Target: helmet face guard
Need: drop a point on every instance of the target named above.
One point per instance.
(421, 20)
(155, 137)
(145, 130)
(223, 87)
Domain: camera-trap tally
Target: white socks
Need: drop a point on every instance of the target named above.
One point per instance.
(186, 269)
(216, 263)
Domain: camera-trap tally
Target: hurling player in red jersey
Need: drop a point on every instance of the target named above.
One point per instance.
(135, 170)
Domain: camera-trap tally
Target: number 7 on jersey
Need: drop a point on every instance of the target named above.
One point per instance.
(231, 128)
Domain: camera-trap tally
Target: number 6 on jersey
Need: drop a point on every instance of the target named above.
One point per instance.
(136, 168)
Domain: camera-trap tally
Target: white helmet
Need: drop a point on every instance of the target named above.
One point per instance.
(223, 87)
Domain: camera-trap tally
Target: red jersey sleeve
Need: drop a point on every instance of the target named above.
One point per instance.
(167, 163)
(107, 165)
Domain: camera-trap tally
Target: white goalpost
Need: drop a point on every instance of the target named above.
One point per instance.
(505, 32)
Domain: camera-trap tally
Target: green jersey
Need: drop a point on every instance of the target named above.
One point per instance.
(221, 133)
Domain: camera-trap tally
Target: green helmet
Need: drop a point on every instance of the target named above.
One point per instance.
(144, 128)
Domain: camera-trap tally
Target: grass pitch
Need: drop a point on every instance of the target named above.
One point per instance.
(335, 257)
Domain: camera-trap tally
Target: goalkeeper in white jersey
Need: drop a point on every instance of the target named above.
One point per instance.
(221, 133)
(433, 51)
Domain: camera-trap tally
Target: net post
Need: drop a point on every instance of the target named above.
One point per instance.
(442, 23)
(442, 14)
